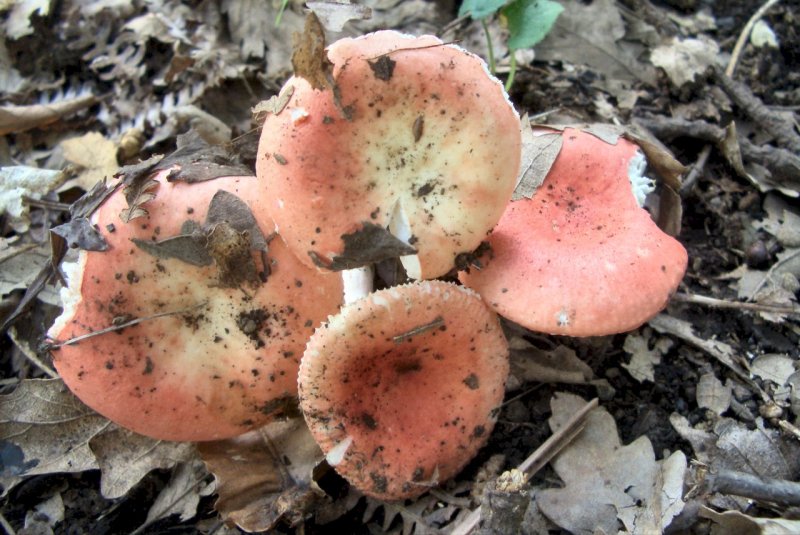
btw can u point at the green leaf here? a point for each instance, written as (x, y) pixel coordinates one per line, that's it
(529, 21)
(480, 9)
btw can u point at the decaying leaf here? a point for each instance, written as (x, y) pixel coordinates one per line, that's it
(370, 244)
(774, 367)
(731, 445)
(273, 105)
(264, 475)
(560, 365)
(735, 522)
(79, 233)
(685, 59)
(195, 160)
(94, 155)
(309, 59)
(606, 482)
(227, 237)
(643, 358)
(539, 151)
(18, 182)
(334, 15)
(182, 494)
(45, 429)
(712, 394)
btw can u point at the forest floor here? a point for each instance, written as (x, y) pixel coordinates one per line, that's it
(691, 404)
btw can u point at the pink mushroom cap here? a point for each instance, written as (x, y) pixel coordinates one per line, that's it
(429, 151)
(400, 389)
(580, 257)
(224, 363)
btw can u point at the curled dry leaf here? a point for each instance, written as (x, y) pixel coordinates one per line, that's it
(264, 475)
(712, 394)
(606, 482)
(45, 429)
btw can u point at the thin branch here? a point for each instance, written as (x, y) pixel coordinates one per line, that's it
(750, 486)
(30, 354)
(736, 305)
(121, 326)
(745, 35)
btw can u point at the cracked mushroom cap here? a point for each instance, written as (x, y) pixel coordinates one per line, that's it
(401, 387)
(416, 159)
(217, 349)
(580, 257)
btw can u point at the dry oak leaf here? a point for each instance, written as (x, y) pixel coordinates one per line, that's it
(45, 429)
(605, 481)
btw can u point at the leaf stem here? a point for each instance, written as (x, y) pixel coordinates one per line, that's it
(492, 64)
(512, 69)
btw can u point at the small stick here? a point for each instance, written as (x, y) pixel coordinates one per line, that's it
(757, 488)
(121, 326)
(437, 322)
(745, 35)
(737, 305)
(543, 455)
(30, 354)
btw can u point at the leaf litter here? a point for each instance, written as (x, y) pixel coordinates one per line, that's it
(736, 369)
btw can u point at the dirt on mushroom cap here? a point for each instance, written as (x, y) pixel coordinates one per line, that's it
(222, 359)
(405, 382)
(428, 148)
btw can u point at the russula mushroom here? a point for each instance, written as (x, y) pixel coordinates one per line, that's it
(212, 320)
(400, 388)
(412, 153)
(580, 257)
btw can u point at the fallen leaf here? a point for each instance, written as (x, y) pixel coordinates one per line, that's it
(712, 394)
(685, 59)
(264, 475)
(45, 429)
(773, 367)
(80, 233)
(731, 445)
(309, 59)
(643, 359)
(18, 24)
(559, 365)
(540, 148)
(334, 15)
(606, 482)
(182, 494)
(18, 182)
(94, 155)
(735, 522)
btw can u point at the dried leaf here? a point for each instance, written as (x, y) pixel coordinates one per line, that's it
(684, 59)
(18, 271)
(182, 494)
(370, 244)
(45, 429)
(138, 187)
(606, 482)
(539, 150)
(94, 155)
(643, 359)
(561, 365)
(264, 475)
(712, 394)
(736, 522)
(18, 182)
(334, 15)
(773, 367)
(731, 445)
(273, 105)
(195, 160)
(309, 59)
(80, 233)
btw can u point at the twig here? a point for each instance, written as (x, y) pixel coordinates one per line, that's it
(749, 486)
(745, 35)
(543, 455)
(697, 170)
(737, 305)
(121, 326)
(30, 354)
(43, 203)
(6, 526)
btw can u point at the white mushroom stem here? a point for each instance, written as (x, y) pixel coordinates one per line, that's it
(357, 283)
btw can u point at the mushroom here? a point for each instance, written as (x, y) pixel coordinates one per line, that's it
(580, 257)
(412, 153)
(188, 327)
(400, 388)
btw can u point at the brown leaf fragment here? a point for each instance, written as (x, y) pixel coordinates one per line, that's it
(383, 67)
(333, 15)
(138, 184)
(227, 207)
(370, 244)
(274, 105)
(539, 151)
(14, 119)
(79, 233)
(195, 160)
(309, 59)
(264, 476)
